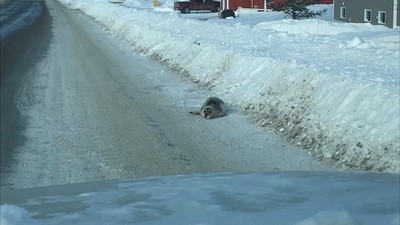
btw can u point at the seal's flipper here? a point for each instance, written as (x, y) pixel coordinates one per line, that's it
(195, 112)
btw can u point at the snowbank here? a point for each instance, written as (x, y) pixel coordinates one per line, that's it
(330, 87)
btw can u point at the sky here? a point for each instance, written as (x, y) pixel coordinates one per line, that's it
(328, 86)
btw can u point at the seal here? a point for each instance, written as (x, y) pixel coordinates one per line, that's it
(212, 108)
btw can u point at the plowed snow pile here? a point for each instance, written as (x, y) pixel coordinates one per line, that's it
(330, 87)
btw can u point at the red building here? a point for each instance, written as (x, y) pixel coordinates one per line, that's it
(258, 4)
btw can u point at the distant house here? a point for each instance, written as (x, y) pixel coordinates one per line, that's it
(384, 12)
(257, 4)
(248, 4)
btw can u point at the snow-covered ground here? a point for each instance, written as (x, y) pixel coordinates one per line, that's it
(331, 87)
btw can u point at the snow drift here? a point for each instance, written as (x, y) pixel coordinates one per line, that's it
(330, 87)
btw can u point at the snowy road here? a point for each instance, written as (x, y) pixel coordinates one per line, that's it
(24, 37)
(93, 110)
(18, 15)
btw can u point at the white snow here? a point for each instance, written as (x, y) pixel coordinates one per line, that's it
(328, 86)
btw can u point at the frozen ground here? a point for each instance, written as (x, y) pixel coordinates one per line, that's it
(330, 87)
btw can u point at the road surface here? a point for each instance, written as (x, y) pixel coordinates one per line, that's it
(81, 105)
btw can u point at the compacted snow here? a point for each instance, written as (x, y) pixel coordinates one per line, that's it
(330, 87)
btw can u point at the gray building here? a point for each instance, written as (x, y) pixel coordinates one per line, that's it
(383, 12)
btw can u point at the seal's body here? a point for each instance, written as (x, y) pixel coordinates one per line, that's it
(213, 107)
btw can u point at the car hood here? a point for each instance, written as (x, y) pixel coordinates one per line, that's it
(300, 198)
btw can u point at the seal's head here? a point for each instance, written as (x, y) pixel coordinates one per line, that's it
(208, 112)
